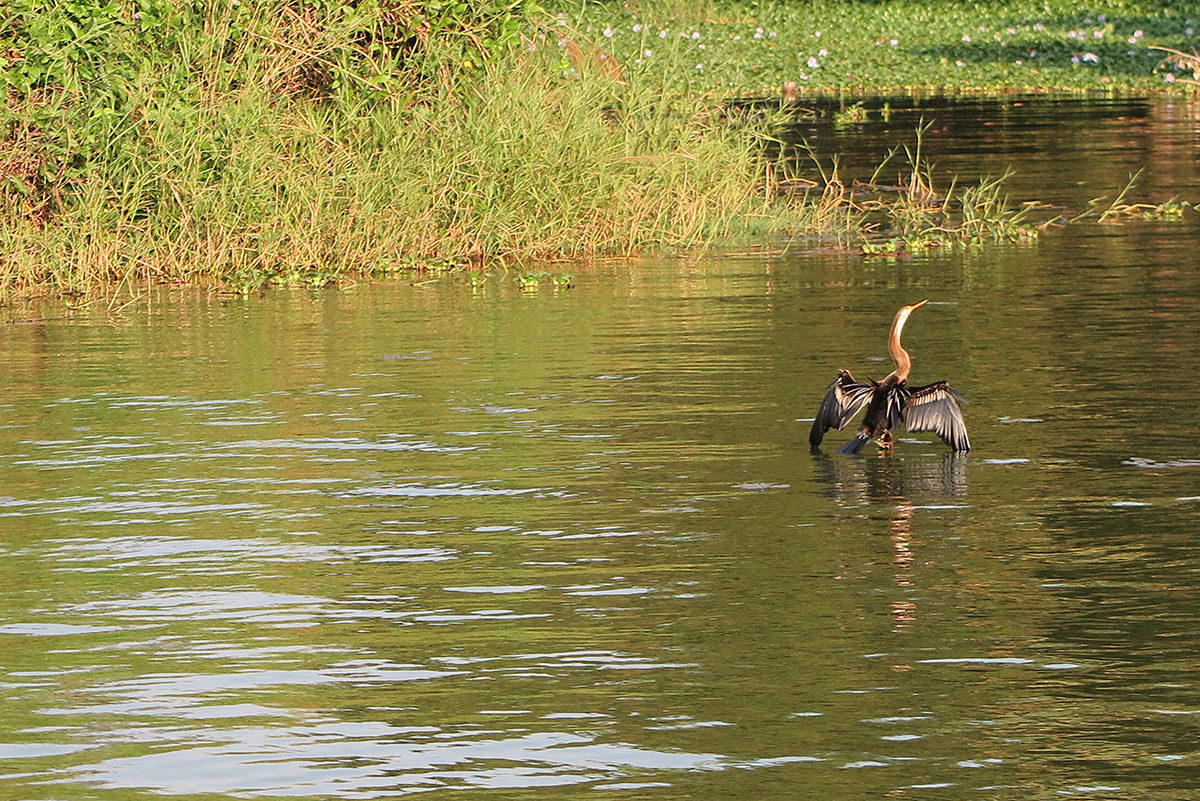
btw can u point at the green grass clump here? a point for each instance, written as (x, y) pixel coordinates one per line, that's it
(910, 216)
(266, 148)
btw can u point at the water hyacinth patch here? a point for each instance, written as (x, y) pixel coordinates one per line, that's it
(902, 45)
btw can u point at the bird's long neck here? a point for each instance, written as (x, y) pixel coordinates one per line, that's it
(897, 351)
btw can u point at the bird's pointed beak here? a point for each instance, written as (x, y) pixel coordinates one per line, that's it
(916, 306)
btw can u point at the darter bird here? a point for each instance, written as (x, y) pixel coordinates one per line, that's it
(933, 407)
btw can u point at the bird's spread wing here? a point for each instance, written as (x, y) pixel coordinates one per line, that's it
(844, 399)
(935, 408)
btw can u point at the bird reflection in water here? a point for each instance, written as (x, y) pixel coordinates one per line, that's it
(903, 610)
(903, 485)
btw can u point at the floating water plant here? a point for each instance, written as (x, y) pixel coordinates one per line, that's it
(851, 115)
(1118, 210)
(912, 215)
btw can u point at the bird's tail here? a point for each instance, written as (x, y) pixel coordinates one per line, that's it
(854, 445)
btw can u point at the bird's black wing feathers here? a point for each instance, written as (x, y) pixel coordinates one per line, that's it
(897, 399)
(935, 407)
(844, 399)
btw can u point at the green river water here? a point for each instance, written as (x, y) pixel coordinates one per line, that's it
(571, 544)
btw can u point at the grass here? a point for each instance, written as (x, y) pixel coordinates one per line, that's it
(522, 166)
(237, 181)
(265, 144)
(912, 215)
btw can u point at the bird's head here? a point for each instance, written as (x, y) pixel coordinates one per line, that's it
(902, 315)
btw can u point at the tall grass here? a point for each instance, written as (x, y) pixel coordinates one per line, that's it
(264, 142)
(231, 168)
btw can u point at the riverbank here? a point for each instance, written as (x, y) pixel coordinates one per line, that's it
(252, 144)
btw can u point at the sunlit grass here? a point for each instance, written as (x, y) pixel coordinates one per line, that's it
(602, 130)
(537, 158)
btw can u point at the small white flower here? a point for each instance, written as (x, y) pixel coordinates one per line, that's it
(1133, 40)
(702, 46)
(1039, 27)
(1169, 78)
(699, 66)
(894, 42)
(959, 63)
(1092, 57)
(803, 77)
(737, 37)
(647, 53)
(1019, 62)
(966, 37)
(817, 34)
(662, 34)
(822, 52)
(1074, 59)
(608, 33)
(1097, 34)
(637, 27)
(812, 63)
(758, 33)
(771, 34)
(983, 29)
(695, 34)
(1087, 20)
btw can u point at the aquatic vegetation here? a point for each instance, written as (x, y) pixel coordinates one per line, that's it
(851, 115)
(1117, 210)
(1168, 210)
(531, 281)
(910, 216)
(834, 47)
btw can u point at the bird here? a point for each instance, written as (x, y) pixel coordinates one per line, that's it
(934, 407)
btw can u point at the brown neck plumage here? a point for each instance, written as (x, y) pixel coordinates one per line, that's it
(897, 351)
